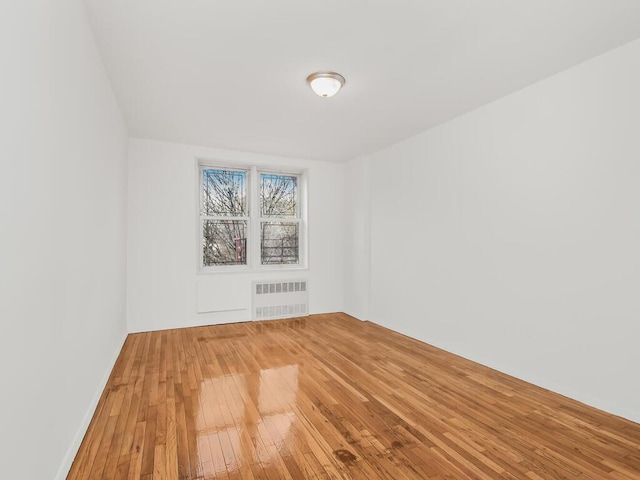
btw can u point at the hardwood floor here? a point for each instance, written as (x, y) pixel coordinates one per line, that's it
(333, 397)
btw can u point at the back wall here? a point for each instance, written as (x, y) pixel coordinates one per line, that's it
(162, 276)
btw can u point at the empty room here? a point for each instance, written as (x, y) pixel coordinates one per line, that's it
(320, 240)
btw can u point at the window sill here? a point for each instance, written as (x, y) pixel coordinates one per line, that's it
(249, 270)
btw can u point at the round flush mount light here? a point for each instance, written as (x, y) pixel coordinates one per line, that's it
(325, 84)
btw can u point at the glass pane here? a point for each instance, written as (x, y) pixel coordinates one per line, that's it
(224, 242)
(224, 193)
(278, 195)
(279, 243)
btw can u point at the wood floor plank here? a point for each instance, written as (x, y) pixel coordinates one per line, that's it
(330, 397)
(135, 461)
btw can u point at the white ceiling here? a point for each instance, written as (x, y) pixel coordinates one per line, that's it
(231, 73)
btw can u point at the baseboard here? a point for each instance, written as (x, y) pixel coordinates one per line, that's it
(67, 461)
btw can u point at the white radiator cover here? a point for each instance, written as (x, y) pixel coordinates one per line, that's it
(280, 299)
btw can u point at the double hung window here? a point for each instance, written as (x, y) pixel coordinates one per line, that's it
(250, 217)
(224, 215)
(279, 219)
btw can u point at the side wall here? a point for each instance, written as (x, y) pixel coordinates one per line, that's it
(62, 234)
(163, 283)
(510, 235)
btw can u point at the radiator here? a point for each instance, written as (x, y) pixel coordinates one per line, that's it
(280, 299)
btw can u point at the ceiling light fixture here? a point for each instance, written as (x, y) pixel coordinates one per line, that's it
(325, 84)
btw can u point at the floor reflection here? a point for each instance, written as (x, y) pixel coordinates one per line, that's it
(245, 419)
(277, 325)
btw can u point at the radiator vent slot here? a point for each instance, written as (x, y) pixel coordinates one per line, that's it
(280, 299)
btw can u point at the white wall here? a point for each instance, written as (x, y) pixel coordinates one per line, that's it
(62, 234)
(357, 280)
(511, 235)
(162, 276)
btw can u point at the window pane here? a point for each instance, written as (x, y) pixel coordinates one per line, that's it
(279, 243)
(224, 242)
(224, 193)
(278, 195)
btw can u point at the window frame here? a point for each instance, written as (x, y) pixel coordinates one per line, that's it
(202, 217)
(254, 219)
(297, 219)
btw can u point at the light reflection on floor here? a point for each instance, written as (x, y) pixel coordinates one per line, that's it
(244, 419)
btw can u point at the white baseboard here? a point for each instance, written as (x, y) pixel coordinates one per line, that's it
(67, 461)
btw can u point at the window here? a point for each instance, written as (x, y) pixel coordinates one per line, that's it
(225, 217)
(279, 219)
(250, 218)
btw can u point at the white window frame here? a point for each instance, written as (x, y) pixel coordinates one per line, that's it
(254, 254)
(297, 219)
(202, 218)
